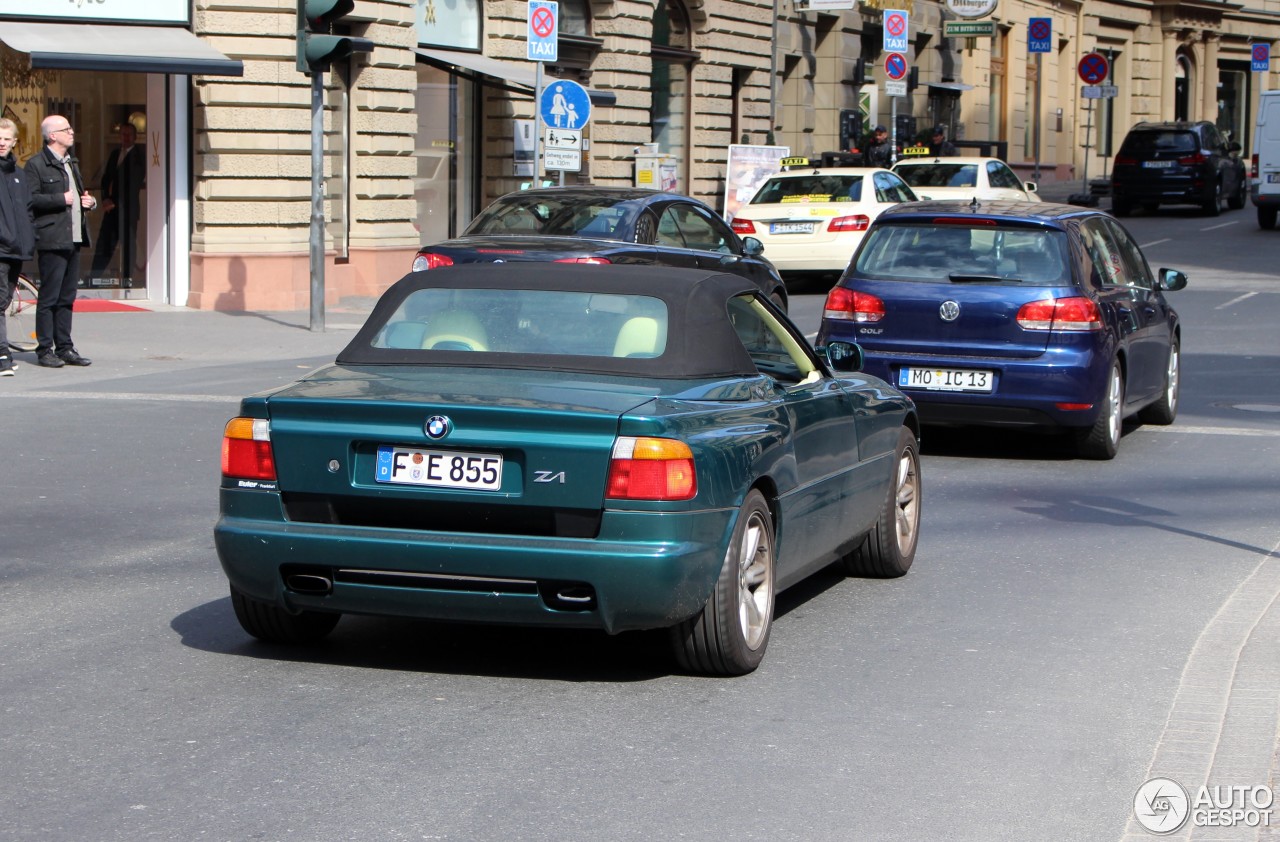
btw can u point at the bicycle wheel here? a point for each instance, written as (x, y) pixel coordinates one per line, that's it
(21, 318)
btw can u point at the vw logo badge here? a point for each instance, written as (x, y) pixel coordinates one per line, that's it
(949, 311)
(438, 426)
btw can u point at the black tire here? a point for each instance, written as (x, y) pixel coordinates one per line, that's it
(1213, 206)
(729, 635)
(272, 624)
(890, 547)
(1121, 208)
(1163, 411)
(1237, 199)
(1102, 440)
(1267, 218)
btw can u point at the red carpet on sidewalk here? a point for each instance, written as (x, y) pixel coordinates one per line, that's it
(104, 305)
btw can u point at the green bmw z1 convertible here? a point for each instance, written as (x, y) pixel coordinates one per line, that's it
(613, 447)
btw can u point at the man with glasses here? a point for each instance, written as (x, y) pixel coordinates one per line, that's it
(60, 205)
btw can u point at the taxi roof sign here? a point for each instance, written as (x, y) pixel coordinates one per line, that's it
(797, 161)
(915, 150)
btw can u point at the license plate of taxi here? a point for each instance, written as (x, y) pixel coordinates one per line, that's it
(791, 227)
(946, 379)
(439, 468)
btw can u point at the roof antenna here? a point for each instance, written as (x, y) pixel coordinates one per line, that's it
(973, 204)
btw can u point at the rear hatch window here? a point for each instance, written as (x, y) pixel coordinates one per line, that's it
(947, 253)
(810, 188)
(1159, 144)
(988, 272)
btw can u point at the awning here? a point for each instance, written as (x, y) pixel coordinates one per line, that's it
(949, 86)
(516, 76)
(137, 49)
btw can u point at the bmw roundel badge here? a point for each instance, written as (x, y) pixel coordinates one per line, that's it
(949, 311)
(438, 426)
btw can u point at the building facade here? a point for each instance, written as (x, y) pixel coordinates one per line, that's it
(439, 118)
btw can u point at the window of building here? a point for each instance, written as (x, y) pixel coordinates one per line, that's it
(673, 59)
(443, 187)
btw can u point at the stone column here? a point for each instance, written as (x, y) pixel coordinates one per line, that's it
(1209, 77)
(1168, 72)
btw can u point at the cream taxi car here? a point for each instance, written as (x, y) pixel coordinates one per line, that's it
(964, 178)
(811, 219)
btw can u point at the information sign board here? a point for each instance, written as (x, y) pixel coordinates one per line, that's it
(1040, 35)
(543, 38)
(896, 31)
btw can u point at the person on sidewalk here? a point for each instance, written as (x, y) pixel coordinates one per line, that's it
(17, 234)
(939, 146)
(122, 178)
(878, 153)
(59, 203)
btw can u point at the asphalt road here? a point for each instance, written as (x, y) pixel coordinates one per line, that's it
(1020, 683)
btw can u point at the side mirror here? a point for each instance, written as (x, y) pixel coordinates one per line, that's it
(751, 247)
(1172, 280)
(1032, 187)
(842, 356)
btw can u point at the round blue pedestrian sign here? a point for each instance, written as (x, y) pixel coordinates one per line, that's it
(565, 105)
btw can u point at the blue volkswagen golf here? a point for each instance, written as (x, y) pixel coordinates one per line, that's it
(1013, 313)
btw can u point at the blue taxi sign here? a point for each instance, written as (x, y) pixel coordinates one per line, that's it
(543, 36)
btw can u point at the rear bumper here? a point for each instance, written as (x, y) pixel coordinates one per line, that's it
(810, 257)
(1270, 199)
(1182, 191)
(644, 570)
(1026, 392)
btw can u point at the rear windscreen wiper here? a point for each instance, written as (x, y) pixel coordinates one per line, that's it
(960, 278)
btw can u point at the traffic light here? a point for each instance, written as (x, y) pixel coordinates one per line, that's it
(317, 49)
(859, 73)
(913, 78)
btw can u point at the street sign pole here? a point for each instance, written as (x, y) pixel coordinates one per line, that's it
(537, 127)
(1039, 117)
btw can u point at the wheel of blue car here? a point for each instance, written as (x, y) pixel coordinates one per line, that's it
(889, 548)
(271, 623)
(729, 635)
(1102, 440)
(1163, 411)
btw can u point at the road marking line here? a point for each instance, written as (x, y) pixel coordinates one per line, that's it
(1236, 300)
(1211, 431)
(1155, 243)
(128, 396)
(1216, 227)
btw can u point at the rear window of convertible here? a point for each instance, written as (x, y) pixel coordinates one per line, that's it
(527, 322)
(939, 252)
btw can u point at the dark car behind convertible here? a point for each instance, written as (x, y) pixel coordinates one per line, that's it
(617, 447)
(604, 225)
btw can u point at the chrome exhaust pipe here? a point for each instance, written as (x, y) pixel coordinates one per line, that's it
(309, 583)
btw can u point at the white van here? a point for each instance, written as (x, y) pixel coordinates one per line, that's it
(1266, 160)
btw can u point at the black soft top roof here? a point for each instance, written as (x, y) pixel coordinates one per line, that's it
(701, 341)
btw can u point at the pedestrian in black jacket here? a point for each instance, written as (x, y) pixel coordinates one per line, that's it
(17, 235)
(879, 152)
(59, 203)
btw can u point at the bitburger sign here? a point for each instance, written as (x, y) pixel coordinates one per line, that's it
(972, 9)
